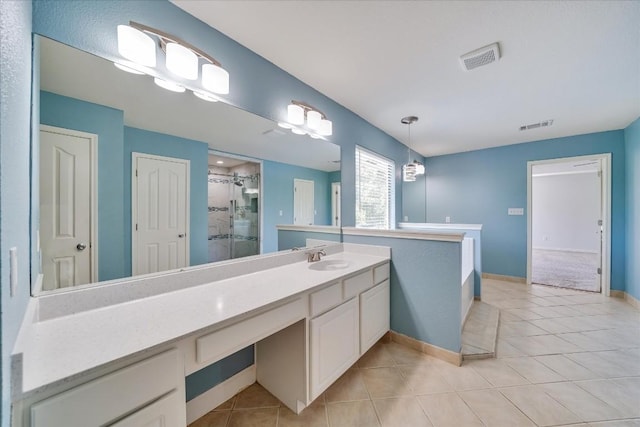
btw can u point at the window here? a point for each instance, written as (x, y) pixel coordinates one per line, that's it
(374, 190)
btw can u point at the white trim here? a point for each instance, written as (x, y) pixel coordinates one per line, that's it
(537, 175)
(403, 234)
(329, 229)
(605, 280)
(93, 204)
(214, 397)
(438, 226)
(134, 211)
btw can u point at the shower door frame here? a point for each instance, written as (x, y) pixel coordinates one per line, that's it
(260, 186)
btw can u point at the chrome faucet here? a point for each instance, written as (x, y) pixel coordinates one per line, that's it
(314, 256)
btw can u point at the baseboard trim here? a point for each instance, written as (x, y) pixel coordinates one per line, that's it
(426, 348)
(211, 399)
(514, 279)
(477, 298)
(627, 297)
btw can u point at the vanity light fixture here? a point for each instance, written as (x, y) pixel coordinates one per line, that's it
(135, 43)
(205, 96)
(413, 168)
(300, 114)
(165, 84)
(128, 69)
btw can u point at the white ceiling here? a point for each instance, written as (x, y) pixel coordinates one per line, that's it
(576, 62)
(71, 72)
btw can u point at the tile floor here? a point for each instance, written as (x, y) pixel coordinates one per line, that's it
(563, 358)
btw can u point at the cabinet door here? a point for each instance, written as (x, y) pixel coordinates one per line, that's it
(374, 315)
(334, 345)
(161, 413)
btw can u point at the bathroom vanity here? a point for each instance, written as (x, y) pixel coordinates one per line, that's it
(117, 354)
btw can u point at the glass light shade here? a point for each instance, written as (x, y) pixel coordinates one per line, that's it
(284, 125)
(409, 172)
(326, 127)
(136, 46)
(298, 131)
(419, 167)
(215, 79)
(182, 61)
(127, 69)
(315, 136)
(205, 96)
(295, 114)
(173, 87)
(313, 120)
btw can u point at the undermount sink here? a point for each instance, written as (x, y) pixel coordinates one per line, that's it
(329, 265)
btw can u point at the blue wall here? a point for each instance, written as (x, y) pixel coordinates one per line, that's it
(278, 196)
(479, 186)
(425, 288)
(15, 114)
(632, 156)
(143, 141)
(414, 203)
(113, 217)
(289, 239)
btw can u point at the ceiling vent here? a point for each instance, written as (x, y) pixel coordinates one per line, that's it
(479, 57)
(543, 124)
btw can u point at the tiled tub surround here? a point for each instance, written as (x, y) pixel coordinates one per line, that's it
(72, 336)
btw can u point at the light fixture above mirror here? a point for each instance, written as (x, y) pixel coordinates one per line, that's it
(413, 168)
(136, 43)
(303, 119)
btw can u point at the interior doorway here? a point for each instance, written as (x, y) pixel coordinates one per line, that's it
(568, 237)
(233, 207)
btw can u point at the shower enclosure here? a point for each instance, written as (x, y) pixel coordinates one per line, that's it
(233, 219)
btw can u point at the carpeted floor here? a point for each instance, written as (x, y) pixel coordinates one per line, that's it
(573, 270)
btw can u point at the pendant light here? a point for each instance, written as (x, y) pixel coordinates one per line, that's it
(414, 168)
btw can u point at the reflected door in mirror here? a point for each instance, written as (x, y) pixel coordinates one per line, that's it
(160, 200)
(65, 206)
(303, 202)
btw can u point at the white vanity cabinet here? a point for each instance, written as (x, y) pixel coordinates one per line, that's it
(146, 393)
(335, 345)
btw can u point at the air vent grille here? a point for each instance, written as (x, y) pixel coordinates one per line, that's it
(479, 57)
(542, 124)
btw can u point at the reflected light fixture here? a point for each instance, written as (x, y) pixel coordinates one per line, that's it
(165, 84)
(303, 119)
(137, 43)
(413, 168)
(205, 96)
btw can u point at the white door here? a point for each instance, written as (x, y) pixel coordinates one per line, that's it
(335, 204)
(303, 203)
(67, 188)
(160, 201)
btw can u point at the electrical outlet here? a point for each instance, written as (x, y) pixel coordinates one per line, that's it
(447, 219)
(280, 213)
(406, 218)
(515, 211)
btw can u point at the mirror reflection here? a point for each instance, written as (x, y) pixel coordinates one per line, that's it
(134, 179)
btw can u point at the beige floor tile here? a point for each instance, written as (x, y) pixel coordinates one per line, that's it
(376, 357)
(506, 316)
(539, 406)
(583, 404)
(212, 419)
(352, 414)
(405, 355)
(586, 343)
(566, 367)
(255, 396)
(622, 394)
(618, 423)
(313, 416)
(627, 363)
(542, 344)
(504, 349)
(227, 405)
(532, 370)
(425, 379)
(593, 362)
(523, 313)
(448, 410)
(498, 373)
(350, 386)
(462, 377)
(551, 326)
(494, 409)
(385, 382)
(521, 328)
(401, 412)
(262, 417)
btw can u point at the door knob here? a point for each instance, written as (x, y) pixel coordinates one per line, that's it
(81, 246)
(181, 235)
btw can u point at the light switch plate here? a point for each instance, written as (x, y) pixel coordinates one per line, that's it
(515, 211)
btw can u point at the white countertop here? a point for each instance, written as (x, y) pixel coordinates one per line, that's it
(63, 347)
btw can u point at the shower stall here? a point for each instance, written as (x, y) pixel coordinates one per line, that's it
(234, 217)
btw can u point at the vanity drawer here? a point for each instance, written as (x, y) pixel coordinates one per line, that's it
(357, 284)
(324, 299)
(108, 398)
(381, 273)
(223, 342)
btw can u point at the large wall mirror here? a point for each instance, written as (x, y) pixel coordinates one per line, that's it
(118, 161)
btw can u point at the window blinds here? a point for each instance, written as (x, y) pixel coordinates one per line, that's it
(374, 190)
